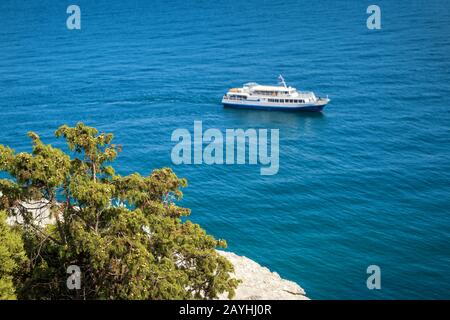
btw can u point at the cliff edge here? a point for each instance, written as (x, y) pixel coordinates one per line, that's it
(259, 283)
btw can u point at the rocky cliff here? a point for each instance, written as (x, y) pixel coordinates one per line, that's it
(259, 283)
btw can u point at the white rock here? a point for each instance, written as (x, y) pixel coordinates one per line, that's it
(259, 283)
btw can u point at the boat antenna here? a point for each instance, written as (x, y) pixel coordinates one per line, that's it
(282, 82)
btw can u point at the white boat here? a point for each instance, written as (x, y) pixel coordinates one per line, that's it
(281, 97)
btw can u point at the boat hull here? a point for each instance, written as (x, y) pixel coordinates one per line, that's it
(308, 108)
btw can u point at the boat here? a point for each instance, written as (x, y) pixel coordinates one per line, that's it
(281, 97)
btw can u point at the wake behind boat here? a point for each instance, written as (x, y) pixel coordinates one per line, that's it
(281, 97)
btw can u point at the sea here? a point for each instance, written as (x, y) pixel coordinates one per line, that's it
(364, 183)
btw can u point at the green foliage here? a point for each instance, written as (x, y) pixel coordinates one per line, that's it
(12, 258)
(124, 232)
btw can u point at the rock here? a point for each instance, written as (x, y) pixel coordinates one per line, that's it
(259, 283)
(38, 209)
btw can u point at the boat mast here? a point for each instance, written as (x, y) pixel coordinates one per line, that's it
(282, 82)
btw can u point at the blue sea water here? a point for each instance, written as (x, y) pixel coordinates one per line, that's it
(365, 183)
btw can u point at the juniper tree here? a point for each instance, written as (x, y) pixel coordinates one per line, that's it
(12, 258)
(125, 233)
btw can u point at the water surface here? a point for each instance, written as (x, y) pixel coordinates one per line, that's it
(366, 182)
